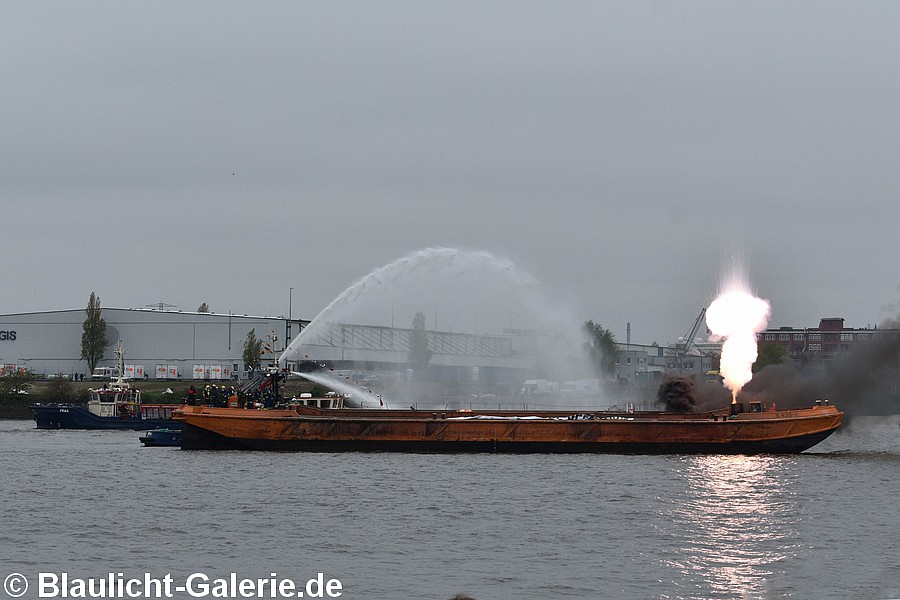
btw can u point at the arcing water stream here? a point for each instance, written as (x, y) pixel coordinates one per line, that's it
(468, 291)
(450, 280)
(453, 282)
(355, 395)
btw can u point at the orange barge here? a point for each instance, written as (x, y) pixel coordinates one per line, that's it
(335, 430)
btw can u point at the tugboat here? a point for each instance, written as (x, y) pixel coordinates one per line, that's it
(115, 405)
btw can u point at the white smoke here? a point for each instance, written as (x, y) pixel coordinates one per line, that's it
(736, 316)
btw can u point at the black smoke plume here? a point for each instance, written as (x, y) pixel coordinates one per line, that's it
(677, 394)
(864, 382)
(681, 394)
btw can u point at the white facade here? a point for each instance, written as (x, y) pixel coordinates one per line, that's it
(163, 344)
(49, 343)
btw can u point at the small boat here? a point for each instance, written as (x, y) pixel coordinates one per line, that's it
(306, 428)
(162, 437)
(114, 405)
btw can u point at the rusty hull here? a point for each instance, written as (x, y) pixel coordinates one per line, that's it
(783, 431)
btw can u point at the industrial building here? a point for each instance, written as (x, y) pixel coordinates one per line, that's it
(163, 344)
(170, 344)
(648, 364)
(158, 344)
(830, 339)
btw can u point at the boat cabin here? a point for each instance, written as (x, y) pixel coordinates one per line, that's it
(329, 401)
(116, 398)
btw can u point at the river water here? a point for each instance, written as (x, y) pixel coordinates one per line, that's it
(824, 524)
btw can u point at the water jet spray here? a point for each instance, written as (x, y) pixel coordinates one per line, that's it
(355, 395)
(479, 268)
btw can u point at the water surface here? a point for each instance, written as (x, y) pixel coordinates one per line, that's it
(818, 525)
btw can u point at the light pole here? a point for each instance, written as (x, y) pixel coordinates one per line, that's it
(287, 340)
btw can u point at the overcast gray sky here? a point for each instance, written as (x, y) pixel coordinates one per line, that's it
(225, 152)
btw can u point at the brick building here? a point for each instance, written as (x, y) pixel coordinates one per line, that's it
(830, 338)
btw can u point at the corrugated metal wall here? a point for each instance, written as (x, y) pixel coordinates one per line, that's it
(50, 342)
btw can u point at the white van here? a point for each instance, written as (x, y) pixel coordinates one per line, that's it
(103, 373)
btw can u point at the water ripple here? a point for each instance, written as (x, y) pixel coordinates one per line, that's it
(430, 526)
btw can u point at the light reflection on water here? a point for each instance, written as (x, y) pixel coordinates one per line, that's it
(733, 525)
(817, 526)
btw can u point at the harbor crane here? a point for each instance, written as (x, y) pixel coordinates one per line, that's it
(683, 347)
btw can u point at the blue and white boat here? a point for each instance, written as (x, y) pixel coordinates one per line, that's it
(115, 405)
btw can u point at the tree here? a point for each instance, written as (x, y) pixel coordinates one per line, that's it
(204, 308)
(93, 340)
(419, 353)
(769, 354)
(601, 347)
(15, 382)
(252, 350)
(60, 389)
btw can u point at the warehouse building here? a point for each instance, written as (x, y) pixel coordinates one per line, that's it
(158, 344)
(166, 344)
